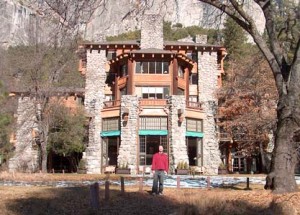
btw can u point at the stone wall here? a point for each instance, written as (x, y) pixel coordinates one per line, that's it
(178, 149)
(94, 98)
(208, 74)
(129, 132)
(25, 158)
(152, 32)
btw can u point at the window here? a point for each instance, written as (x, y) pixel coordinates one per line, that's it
(180, 91)
(181, 72)
(111, 124)
(193, 98)
(153, 92)
(192, 55)
(194, 79)
(194, 125)
(153, 123)
(123, 70)
(153, 67)
(111, 54)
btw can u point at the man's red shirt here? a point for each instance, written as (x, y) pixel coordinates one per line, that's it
(160, 162)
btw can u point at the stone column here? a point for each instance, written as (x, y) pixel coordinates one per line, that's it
(94, 98)
(129, 132)
(208, 77)
(178, 149)
(152, 32)
(26, 151)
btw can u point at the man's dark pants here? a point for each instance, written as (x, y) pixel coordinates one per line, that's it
(158, 177)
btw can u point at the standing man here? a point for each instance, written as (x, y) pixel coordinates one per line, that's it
(160, 167)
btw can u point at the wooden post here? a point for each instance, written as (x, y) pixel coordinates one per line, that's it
(178, 182)
(52, 171)
(248, 184)
(141, 184)
(107, 190)
(122, 185)
(63, 171)
(208, 182)
(94, 196)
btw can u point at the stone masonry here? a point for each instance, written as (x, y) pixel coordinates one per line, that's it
(208, 73)
(129, 132)
(178, 149)
(152, 32)
(25, 158)
(94, 98)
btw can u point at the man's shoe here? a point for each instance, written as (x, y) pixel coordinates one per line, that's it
(160, 194)
(153, 194)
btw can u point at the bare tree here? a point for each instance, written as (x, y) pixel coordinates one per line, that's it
(280, 46)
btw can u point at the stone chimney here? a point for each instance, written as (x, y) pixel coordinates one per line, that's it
(152, 32)
(201, 39)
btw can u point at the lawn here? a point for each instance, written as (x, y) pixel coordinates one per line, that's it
(76, 200)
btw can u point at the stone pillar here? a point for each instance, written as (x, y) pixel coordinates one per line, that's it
(152, 32)
(208, 77)
(26, 151)
(178, 149)
(129, 132)
(94, 98)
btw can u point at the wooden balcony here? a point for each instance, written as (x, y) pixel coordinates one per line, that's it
(110, 104)
(153, 102)
(122, 82)
(193, 105)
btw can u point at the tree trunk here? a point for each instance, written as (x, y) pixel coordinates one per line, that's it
(44, 157)
(282, 178)
(263, 158)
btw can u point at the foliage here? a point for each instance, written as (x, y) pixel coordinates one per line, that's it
(182, 165)
(171, 33)
(67, 131)
(234, 39)
(5, 130)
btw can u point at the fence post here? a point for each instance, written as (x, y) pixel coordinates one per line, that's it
(208, 182)
(94, 195)
(122, 185)
(141, 184)
(178, 182)
(107, 190)
(248, 184)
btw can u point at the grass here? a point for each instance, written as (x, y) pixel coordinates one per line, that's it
(76, 200)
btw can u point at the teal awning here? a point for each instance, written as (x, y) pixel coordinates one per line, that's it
(153, 132)
(110, 133)
(194, 134)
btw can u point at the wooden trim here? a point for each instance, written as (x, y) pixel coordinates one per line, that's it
(175, 75)
(130, 77)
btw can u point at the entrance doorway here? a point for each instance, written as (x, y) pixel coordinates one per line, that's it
(110, 151)
(149, 146)
(194, 149)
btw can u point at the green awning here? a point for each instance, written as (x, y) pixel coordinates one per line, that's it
(194, 134)
(110, 133)
(153, 132)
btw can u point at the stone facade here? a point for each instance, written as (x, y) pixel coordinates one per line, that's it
(26, 151)
(178, 149)
(129, 132)
(152, 32)
(94, 98)
(208, 73)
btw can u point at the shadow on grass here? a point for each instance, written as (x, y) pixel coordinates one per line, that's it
(77, 201)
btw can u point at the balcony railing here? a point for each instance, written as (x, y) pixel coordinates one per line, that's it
(195, 105)
(109, 104)
(153, 102)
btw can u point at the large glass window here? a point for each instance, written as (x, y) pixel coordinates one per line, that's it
(154, 123)
(152, 67)
(194, 125)
(111, 124)
(153, 92)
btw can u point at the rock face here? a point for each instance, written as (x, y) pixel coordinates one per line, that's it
(18, 23)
